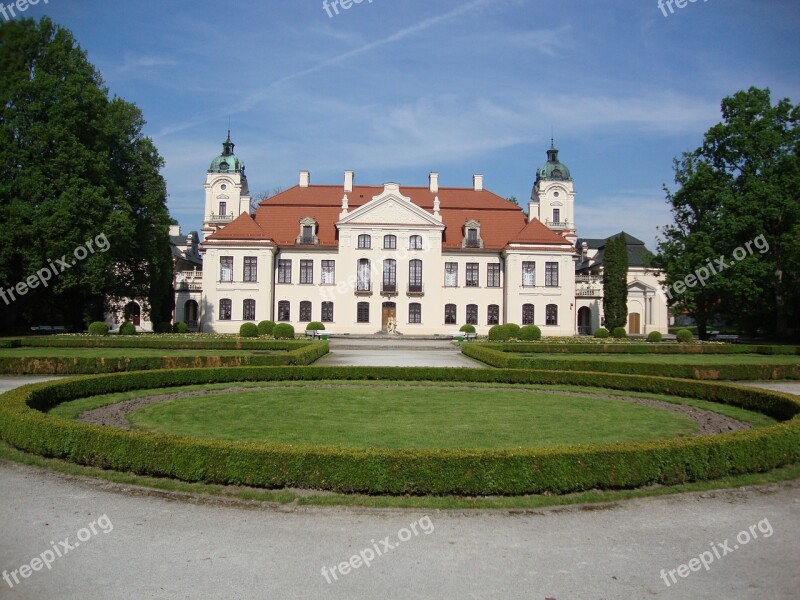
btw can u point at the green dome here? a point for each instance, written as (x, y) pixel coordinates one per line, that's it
(553, 169)
(227, 161)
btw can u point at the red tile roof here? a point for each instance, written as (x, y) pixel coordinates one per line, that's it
(278, 218)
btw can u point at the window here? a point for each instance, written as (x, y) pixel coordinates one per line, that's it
(225, 309)
(306, 272)
(284, 312)
(415, 242)
(472, 314)
(307, 235)
(363, 312)
(528, 274)
(389, 275)
(327, 312)
(450, 317)
(472, 238)
(223, 209)
(363, 275)
(493, 315)
(556, 215)
(415, 276)
(415, 312)
(249, 310)
(450, 274)
(472, 275)
(364, 241)
(250, 268)
(305, 311)
(328, 272)
(551, 315)
(527, 314)
(493, 275)
(284, 270)
(226, 268)
(389, 242)
(551, 274)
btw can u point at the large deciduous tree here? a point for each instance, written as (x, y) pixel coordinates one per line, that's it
(742, 183)
(615, 282)
(74, 165)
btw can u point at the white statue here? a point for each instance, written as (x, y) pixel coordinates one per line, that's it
(391, 326)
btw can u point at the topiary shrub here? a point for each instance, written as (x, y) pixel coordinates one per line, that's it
(530, 333)
(684, 336)
(127, 328)
(619, 333)
(499, 333)
(601, 332)
(248, 330)
(654, 336)
(180, 327)
(98, 328)
(266, 327)
(467, 328)
(315, 326)
(283, 331)
(513, 330)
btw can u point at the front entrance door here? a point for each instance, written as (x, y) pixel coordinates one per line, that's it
(133, 313)
(634, 323)
(389, 311)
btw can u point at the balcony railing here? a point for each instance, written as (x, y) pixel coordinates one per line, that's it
(588, 292)
(212, 218)
(389, 289)
(584, 330)
(558, 224)
(189, 280)
(363, 288)
(415, 290)
(588, 279)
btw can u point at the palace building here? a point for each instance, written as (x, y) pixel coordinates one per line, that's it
(432, 258)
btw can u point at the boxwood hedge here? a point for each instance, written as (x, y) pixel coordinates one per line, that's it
(165, 343)
(642, 348)
(412, 471)
(504, 360)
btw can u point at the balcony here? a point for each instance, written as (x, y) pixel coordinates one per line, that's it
(212, 218)
(389, 289)
(559, 224)
(415, 290)
(363, 288)
(189, 280)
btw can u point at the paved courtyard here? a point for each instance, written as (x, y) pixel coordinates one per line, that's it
(121, 542)
(396, 352)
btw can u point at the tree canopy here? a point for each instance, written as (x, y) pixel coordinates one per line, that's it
(74, 165)
(615, 282)
(737, 215)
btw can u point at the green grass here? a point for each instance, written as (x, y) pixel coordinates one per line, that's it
(675, 359)
(399, 417)
(115, 353)
(193, 490)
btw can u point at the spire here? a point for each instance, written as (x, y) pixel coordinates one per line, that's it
(227, 145)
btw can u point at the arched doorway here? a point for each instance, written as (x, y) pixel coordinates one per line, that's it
(389, 310)
(190, 311)
(584, 320)
(133, 313)
(634, 323)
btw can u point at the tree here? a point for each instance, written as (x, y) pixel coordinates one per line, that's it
(513, 200)
(615, 282)
(741, 185)
(261, 196)
(75, 166)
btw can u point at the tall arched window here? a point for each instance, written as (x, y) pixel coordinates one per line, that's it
(327, 312)
(249, 310)
(415, 276)
(390, 275)
(450, 316)
(472, 314)
(527, 314)
(305, 311)
(415, 312)
(225, 309)
(493, 315)
(364, 279)
(284, 312)
(551, 314)
(362, 315)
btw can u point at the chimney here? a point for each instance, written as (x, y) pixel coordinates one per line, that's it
(348, 181)
(433, 182)
(305, 179)
(477, 183)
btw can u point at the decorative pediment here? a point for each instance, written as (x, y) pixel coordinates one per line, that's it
(390, 207)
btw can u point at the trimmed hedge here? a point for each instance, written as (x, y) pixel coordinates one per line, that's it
(601, 332)
(684, 336)
(248, 330)
(303, 354)
(266, 327)
(409, 471)
(654, 337)
(127, 328)
(612, 347)
(619, 333)
(98, 328)
(530, 333)
(283, 331)
(10, 343)
(180, 327)
(156, 343)
(467, 328)
(315, 326)
(503, 360)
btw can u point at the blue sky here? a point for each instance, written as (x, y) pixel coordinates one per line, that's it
(394, 89)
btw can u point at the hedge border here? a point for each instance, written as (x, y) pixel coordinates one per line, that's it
(379, 471)
(497, 358)
(642, 348)
(199, 343)
(301, 354)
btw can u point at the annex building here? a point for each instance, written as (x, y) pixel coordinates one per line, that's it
(432, 258)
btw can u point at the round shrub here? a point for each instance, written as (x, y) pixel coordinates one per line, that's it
(601, 332)
(127, 328)
(530, 333)
(98, 328)
(315, 326)
(654, 336)
(499, 333)
(266, 327)
(619, 333)
(513, 330)
(283, 331)
(180, 327)
(248, 330)
(467, 328)
(684, 336)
